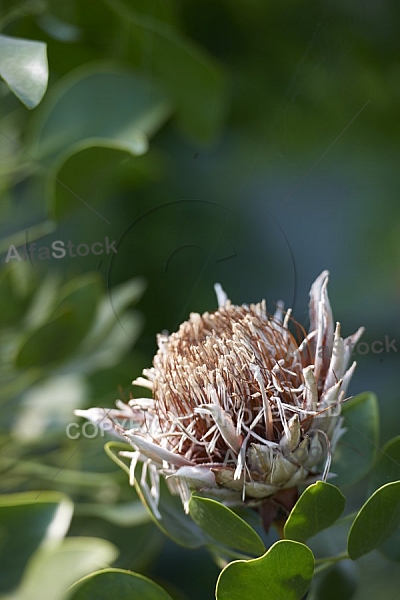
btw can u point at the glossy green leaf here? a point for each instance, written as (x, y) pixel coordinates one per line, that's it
(201, 100)
(356, 450)
(387, 469)
(376, 521)
(339, 581)
(51, 572)
(74, 111)
(116, 583)
(23, 66)
(283, 573)
(224, 526)
(317, 508)
(27, 521)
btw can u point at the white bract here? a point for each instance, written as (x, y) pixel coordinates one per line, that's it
(242, 407)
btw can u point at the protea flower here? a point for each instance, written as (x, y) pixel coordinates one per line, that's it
(241, 408)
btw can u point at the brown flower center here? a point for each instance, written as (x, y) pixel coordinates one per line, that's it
(232, 358)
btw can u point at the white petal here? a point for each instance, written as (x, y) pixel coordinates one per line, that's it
(315, 297)
(222, 298)
(336, 365)
(155, 452)
(349, 344)
(347, 377)
(197, 477)
(310, 389)
(142, 382)
(224, 423)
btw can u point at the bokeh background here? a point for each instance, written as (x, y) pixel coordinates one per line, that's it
(250, 143)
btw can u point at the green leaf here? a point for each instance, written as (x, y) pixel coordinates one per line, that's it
(27, 521)
(117, 583)
(74, 111)
(376, 521)
(92, 169)
(224, 526)
(339, 581)
(283, 573)
(386, 469)
(356, 450)
(12, 303)
(49, 343)
(23, 66)
(70, 321)
(81, 295)
(193, 79)
(111, 309)
(51, 572)
(317, 508)
(174, 523)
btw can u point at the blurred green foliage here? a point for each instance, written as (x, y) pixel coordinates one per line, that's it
(249, 143)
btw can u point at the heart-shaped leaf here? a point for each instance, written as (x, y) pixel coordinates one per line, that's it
(23, 66)
(356, 450)
(317, 508)
(376, 521)
(117, 583)
(283, 573)
(224, 526)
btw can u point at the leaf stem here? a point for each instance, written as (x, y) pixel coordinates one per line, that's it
(326, 562)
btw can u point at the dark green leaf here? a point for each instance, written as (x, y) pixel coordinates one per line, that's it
(376, 521)
(317, 508)
(23, 66)
(283, 573)
(224, 526)
(28, 521)
(116, 583)
(356, 450)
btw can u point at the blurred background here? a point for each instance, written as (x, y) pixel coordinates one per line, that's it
(250, 143)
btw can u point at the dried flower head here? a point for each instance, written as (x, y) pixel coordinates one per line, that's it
(241, 408)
